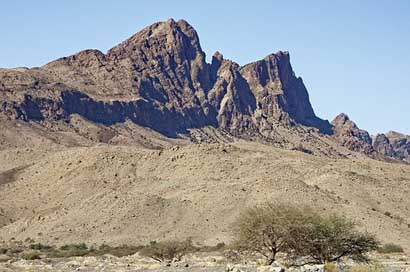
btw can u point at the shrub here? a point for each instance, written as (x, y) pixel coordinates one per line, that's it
(71, 250)
(119, 251)
(390, 248)
(265, 229)
(31, 255)
(168, 250)
(3, 250)
(81, 246)
(40, 247)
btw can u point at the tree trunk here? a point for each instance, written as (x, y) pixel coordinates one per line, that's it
(270, 261)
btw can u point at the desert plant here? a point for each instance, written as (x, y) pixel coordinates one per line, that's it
(118, 251)
(81, 246)
(390, 248)
(31, 255)
(265, 229)
(329, 239)
(71, 250)
(3, 250)
(39, 246)
(167, 250)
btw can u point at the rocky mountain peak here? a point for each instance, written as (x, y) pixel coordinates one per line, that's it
(176, 38)
(343, 120)
(350, 135)
(393, 144)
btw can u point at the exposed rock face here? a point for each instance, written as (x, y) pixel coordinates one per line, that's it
(279, 93)
(159, 79)
(349, 135)
(393, 144)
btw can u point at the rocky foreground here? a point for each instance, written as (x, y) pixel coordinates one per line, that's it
(207, 262)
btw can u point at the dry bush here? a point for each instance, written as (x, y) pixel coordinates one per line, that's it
(40, 247)
(390, 248)
(118, 251)
(168, 251)
(31, 255)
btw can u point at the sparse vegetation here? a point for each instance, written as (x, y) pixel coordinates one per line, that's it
(71, 250)
(39, 246)
(168, 251)
(390, 248)
(31, 255)
(118, 251)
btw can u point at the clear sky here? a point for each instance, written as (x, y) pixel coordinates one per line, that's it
(353, 55)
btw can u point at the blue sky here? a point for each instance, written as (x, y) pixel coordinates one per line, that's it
(353, 55)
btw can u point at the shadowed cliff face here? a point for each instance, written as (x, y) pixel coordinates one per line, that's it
(158, 78)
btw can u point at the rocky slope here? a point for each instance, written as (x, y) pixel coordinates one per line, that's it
(133, 195)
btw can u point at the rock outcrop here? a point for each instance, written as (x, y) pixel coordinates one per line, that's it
(390, 145)
(350, 136)
(393, 144)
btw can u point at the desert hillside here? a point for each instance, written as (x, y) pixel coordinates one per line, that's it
(124, 194)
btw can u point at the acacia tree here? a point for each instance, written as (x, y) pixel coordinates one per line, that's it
(305, 236)
(328, 239)
(265, 229)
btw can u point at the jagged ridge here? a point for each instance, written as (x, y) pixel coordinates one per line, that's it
(159, 78)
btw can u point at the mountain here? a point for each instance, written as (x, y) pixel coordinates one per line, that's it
(159, 80)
